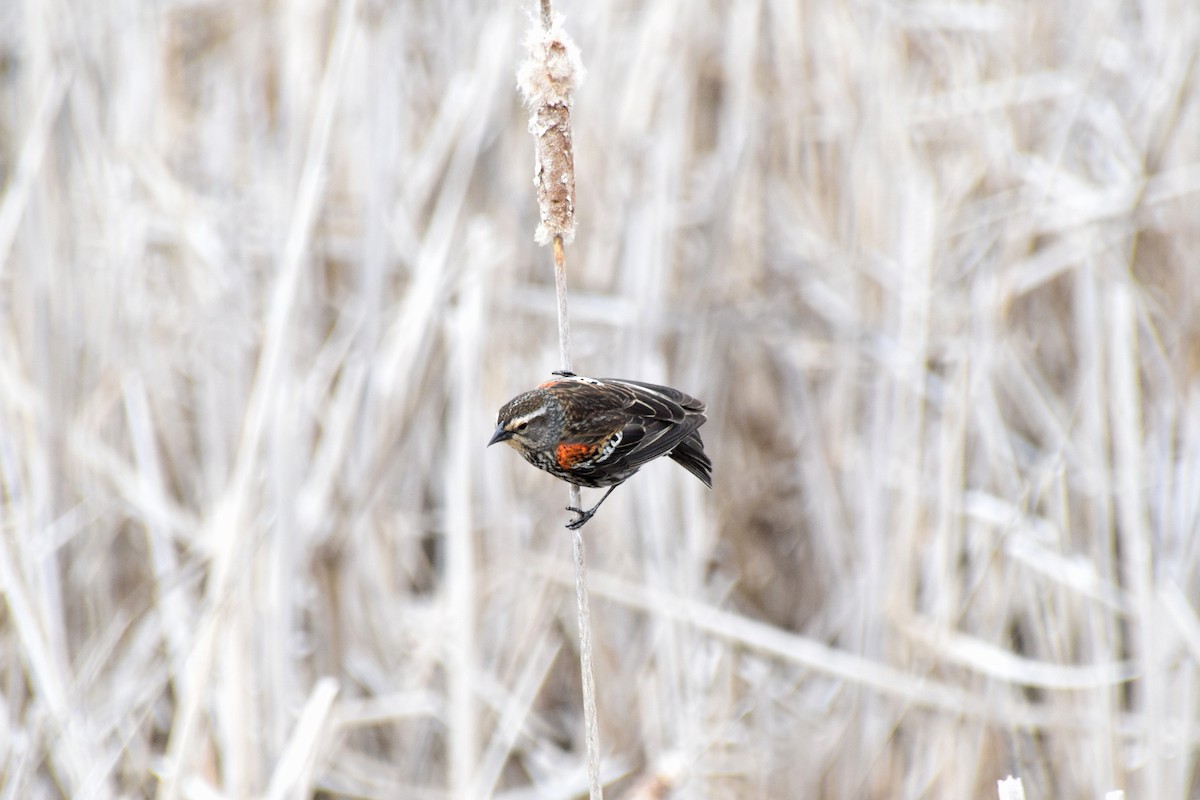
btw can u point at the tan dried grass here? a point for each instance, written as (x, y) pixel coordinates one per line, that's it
(266, 272)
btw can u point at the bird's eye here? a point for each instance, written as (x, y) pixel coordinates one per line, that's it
(523, 426)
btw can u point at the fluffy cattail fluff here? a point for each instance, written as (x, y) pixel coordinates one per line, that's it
(547, 80)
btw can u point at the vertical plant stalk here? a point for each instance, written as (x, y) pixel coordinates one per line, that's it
(583, 607)
(548, 79)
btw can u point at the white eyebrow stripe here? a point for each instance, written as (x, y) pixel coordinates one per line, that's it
(532, 415)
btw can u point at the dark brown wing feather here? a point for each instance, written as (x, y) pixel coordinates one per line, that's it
(653, 421)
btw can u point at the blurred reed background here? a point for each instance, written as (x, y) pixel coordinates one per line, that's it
(267, 272)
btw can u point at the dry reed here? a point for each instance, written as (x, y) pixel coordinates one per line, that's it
(266, 273)
(548, 80)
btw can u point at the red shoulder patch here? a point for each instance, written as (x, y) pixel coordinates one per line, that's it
(571, 454)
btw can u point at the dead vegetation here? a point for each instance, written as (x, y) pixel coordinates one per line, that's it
(267, 271)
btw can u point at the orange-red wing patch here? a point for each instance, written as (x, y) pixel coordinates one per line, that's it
(571, 454)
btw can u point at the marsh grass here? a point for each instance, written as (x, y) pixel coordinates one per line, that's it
(266, 273)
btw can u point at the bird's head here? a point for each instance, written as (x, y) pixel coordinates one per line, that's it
(531, 421)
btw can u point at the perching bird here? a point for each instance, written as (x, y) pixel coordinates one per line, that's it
(597, 432)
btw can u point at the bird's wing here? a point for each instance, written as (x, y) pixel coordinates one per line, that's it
(652, 420)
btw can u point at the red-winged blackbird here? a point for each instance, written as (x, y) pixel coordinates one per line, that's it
(597, 432)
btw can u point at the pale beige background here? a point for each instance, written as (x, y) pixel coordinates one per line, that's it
(267, 272)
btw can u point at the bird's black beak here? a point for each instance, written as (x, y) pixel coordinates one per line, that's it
(500, 435)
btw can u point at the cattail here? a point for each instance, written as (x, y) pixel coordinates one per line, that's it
(547, 80)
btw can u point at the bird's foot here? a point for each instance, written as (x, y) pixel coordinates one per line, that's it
(581, 517)
(584, 516)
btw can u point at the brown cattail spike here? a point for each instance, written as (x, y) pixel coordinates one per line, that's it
(547, 80)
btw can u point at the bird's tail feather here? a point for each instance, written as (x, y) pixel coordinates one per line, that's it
(690, 455)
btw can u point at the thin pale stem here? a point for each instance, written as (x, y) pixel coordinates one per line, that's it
(564, 322)
(591, 726)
